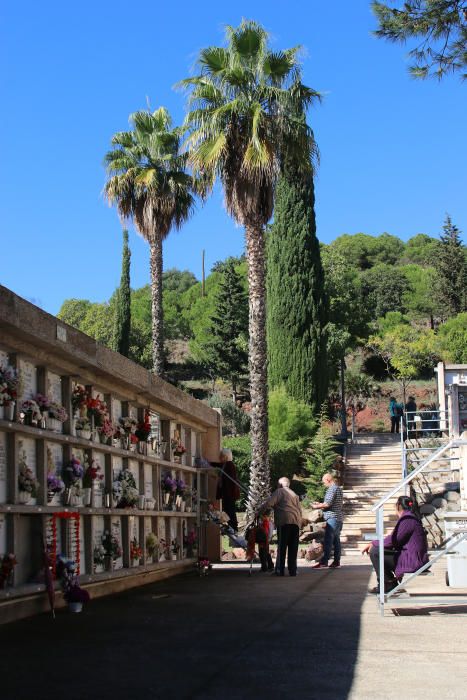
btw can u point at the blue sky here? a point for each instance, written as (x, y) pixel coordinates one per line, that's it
(392, 150)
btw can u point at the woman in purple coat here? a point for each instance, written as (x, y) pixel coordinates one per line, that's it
(405, 549)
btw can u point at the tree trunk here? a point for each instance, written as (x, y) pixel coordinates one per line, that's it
(257, 362)
(155, 264)
(343, 407)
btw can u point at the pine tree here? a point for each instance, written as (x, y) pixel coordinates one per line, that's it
(452, 271)
(227, 349)
(297, 303)
(122, 319)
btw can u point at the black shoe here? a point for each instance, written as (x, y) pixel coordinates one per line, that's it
(335, 565)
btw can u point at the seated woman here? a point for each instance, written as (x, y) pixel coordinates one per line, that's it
(405, 549)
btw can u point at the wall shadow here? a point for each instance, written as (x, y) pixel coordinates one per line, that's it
(223, 636)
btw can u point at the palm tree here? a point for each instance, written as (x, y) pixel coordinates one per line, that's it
(149, 184)
(246, 110)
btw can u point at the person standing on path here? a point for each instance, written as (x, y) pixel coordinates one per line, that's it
(395, 413)
(288, 520)
(228, 489)
(333, 515)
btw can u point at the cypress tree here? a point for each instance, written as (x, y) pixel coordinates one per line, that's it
(451, 266)
(122, 320)
(227, 350)
(297, 303)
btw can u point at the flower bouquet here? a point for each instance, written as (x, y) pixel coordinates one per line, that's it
(97, 412)
(124, 490)
(190, 541)
(56, 417)
(79, 398)
(165, 550)
(30, 412)
(112, 548)
(9, 380)
(74, 595)
(83, 428)
(106, 430)
(180, 489)
(133, 442)
(55, 485)
(169, 488)
(127, 426)
(43, 402)
(152, 546)
(98, 557)
(143, 432)
(28, 485)
(72, 474)
(178, 449)
(136, 552)
(92, 476)
(203, 566)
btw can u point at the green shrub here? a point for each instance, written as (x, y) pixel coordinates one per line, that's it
(234, 420)
(285, 458)
(289, 420)
(321, 458)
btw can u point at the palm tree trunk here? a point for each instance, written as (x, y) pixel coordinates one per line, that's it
(343, 406)
(259, 469)
(155, 265)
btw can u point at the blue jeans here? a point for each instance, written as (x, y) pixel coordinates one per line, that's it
(332, 539)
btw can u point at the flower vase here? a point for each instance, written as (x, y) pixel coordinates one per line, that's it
(133, 447)
(9, 411)
(24, 497)
(177, 459)
(178, 502)
(183, 506)
(103, 438)
(2, 412)
(75, 607)
(117, 442)
(27, 420)
(108, 563)
(84, 434)
(126, 442)
(76, 500)
(167, 499)
(87, 496)
(141, 501)
(53, 424)
(142, 447)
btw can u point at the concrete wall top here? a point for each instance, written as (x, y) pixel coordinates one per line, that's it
(28, 329)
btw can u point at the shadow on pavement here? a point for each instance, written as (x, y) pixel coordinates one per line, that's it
(225, 636)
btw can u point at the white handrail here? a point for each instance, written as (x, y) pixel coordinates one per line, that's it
(412, 475)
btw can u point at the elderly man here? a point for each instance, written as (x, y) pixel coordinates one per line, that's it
(288, 520)
(333, 515)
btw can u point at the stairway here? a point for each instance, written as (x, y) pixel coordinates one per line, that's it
(373, 468)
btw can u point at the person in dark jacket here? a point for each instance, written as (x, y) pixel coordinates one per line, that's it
(228, 488)
(405, 549)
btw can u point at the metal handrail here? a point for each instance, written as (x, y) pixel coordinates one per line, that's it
(238, 483)
(379, 508)
(412, 475)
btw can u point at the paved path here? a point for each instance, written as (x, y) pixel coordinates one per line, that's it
(229, 637)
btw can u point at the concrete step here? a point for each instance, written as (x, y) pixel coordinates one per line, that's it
(366, 518)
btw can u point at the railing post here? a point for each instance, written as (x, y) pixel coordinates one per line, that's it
(380, 534)
(403, 452)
